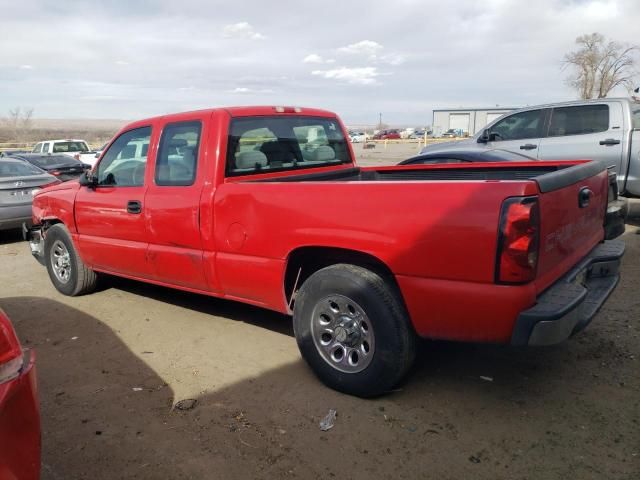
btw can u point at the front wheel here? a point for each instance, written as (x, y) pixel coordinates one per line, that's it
(67, 271)
(352, 329)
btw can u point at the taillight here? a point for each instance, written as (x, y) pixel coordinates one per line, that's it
(55, 172)
(518, 240)
(77, 156)
(10, 351)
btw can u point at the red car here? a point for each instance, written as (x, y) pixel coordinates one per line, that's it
(265, 205)
(19, 412)
(387, 135)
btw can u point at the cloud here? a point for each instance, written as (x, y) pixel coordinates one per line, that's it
(393, 59)
(364, 47)
(121, 62)
(354, 76)
(246, 90)
(314, 58)
(241, 30)
(26, 67)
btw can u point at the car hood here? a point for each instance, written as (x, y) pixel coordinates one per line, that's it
(444, 146)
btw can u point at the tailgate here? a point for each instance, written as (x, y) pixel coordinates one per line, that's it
(573, 203)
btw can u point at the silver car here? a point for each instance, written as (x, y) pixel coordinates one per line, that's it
(19, 180)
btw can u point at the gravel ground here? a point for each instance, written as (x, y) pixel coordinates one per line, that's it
(112, 366)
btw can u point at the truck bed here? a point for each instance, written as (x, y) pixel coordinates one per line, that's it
(548, 175)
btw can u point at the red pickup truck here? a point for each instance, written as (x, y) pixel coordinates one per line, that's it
(265, 205)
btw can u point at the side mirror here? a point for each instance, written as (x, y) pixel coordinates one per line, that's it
(97, 155)
(484, 138)
(88, 180)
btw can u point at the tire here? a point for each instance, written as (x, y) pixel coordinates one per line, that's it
(67, 271)
(342, 309)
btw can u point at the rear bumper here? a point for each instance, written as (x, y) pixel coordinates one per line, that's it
(615, 218)
(14, 216)
(20, 425)
(570, 304)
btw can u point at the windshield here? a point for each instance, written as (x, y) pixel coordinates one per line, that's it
(267, 144)
(64, 147)
(18, 169)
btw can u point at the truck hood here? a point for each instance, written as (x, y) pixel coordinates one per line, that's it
(69, 185)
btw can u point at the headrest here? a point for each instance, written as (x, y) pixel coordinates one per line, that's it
(251, 159)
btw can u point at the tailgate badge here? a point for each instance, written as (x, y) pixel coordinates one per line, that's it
(19, 183)
(584, 196)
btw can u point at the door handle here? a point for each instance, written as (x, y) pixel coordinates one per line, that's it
(134, 206)
(610, 141)
(528, 146)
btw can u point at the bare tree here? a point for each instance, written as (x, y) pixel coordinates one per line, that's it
(600, 65)
(19, 122)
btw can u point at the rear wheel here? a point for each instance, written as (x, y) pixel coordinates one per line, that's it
(67, 271)
(352, 328)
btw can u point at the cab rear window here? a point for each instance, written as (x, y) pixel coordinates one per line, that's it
(272, 143)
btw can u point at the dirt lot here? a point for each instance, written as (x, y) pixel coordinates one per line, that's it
(111, 365)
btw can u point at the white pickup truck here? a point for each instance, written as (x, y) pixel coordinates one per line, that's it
(75, 148)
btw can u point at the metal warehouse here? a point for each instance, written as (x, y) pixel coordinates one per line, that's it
(465, 121)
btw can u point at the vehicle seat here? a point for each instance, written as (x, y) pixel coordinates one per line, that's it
(323, 153)
(251, 159)
(282, 151)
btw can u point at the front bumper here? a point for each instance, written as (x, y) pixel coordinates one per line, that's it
(570, 304)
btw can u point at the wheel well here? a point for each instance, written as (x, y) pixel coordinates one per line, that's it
(305, 261)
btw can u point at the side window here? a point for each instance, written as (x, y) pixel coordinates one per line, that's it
(45, 148)
(124, 163)
(635, 118)
(177, 158)
(579, 120)
(37, 148)
(519, 126)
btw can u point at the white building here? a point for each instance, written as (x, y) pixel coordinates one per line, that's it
(467, 121)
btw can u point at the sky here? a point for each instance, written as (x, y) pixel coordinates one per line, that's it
(138, 58)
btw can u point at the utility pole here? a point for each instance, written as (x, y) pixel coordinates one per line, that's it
(380, 121)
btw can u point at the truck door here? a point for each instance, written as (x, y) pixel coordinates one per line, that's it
(520, 132)
(594, 131)
(110, 216)
(172, 206)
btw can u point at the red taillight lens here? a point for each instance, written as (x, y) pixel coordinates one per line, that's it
(518, 240)
(77, 156)
(10, 351)
(55, 172)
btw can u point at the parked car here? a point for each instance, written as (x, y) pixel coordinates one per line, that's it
(19, 410)
(521, 259)
(358, 137)
(387, 135)
(467, 155)
(78, 149)
(18, 182)
(12, 151)
(419, 133)
(451, 133)
(407, 132)
(61, 166)
(606, 129)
